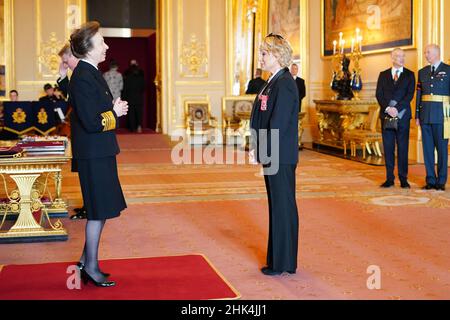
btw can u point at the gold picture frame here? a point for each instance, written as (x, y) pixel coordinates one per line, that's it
(197, 110)
(402, 17)
(7, 49)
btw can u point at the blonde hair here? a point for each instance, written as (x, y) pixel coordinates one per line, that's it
(279, 47)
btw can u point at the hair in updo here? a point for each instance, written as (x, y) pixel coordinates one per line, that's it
(81, 39)
(279, 47)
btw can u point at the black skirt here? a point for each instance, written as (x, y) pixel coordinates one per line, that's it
(102, 194)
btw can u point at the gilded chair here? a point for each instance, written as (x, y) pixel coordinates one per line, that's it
(200, 125)
(368, 138)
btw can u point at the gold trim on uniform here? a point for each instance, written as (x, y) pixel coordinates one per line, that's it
(108, 121)
(446, 109)
(435, 98)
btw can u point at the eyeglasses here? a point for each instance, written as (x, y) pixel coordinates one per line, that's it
(275, 36)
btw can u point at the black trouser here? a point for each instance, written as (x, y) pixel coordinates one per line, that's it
(401, 138)
(283, 219)
(135, 116)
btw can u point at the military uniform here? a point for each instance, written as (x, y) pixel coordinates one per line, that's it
(95, 144)
(432, 104)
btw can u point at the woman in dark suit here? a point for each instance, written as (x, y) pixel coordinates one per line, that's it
(94, 120)
(275, 111)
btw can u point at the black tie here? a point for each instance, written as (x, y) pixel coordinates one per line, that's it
(433, 69)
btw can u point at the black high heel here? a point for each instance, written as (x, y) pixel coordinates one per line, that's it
(81, 267)
(86, 278)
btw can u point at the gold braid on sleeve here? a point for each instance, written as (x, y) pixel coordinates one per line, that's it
(108, 121)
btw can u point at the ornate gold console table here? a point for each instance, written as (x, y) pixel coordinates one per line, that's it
(26, 199)
(337, 116)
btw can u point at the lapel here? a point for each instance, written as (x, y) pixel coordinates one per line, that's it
(268, 88)
(98, 76)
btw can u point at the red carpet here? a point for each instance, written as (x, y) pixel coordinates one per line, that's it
(189, 277)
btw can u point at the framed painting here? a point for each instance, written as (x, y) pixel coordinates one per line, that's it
(284, 19)
(384, 25)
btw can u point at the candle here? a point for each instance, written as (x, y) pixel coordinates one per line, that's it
(334, 46)
(357, 32)
(343, 46)
(353, 44)
(360, 43)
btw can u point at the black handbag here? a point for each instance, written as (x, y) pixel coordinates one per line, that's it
(390, 123)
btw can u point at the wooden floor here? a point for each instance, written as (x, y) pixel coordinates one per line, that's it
(348, 225)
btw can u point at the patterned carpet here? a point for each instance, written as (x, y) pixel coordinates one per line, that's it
(347, 224)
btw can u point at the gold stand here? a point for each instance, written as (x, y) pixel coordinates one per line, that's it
(27, 199)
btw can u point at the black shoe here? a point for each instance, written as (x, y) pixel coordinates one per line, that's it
(440, 187)
(387, 184)
(80, 214)
(269, 272)
(86, 278)
(81, 267)
(404, 184)
(429, 187)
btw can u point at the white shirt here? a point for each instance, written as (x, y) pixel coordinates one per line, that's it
(436, 65)
(394, 70)
(87, 61)
(274, 74)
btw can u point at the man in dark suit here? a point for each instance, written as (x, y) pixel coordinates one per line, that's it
(300, 84)
(255, 85)
(395, 91)
(432, 108)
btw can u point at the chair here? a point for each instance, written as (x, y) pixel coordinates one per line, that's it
(367, 137)
(200, 125)
(234, 129)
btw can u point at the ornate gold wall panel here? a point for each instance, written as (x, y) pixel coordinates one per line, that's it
(192, 62)
(41, 28)
(193, 38)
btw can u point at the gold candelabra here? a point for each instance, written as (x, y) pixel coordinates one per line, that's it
(338, 58)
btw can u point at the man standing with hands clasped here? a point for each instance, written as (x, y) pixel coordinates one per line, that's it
(432, 115)
(395, 91)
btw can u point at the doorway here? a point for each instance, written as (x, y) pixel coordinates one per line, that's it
(142, 49)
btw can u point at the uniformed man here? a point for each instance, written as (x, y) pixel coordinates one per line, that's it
(69, 62)
(433, 94)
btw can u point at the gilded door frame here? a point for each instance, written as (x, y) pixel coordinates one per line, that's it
(9, 47)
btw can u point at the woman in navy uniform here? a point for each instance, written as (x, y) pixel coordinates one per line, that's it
(276, 110)
(94, 120)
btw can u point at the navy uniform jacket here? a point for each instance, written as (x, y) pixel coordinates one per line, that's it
(281, 114)
(439, 84)
(402, 91)
(93, 120)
